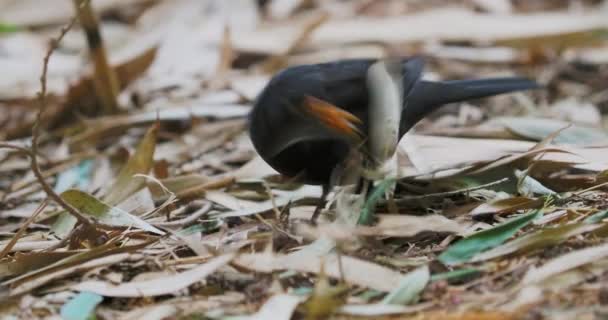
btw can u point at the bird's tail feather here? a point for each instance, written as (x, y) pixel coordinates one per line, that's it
(427, 96)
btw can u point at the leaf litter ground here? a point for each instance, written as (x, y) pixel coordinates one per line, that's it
(500, 214)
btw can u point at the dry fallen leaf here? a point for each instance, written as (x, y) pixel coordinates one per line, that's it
(156, 287)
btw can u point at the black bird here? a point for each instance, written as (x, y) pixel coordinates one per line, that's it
(308, 118)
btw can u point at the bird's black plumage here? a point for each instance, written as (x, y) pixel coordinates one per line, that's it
(295, 144)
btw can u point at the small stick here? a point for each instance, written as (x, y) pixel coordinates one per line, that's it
(22, 229)
(187, 220)
(36, 129)
(448, 193)
(105, 80)
(320, 204)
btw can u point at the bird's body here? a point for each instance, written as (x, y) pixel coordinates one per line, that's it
(303, 122)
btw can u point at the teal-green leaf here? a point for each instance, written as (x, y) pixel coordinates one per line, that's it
(89, 205)
(367, 213)
(81, 307)
(409, 287)
(597, 217)
(466, 248)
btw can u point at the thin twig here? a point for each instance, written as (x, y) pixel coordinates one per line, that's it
(36, 129)
(6, 145)
(405, 199)
(22, 229)
(189, 219)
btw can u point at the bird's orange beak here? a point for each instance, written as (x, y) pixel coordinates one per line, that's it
(332, 117)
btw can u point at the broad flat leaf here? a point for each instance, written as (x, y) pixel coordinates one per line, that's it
(156, 287)
(409, 287)
(88, 204)
(546, 237)
(463, 250)
(539, 128)
(125, 184)
(139, 163)
(81, 307)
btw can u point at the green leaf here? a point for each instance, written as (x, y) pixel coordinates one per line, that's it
(367, 213)
(8, 28)
(81, 307)
(455, 275)
(125, 185)
(409, 287)
(88, 204)
(79, 177)
(546, 237)
(465, 249)
(596, 217)
(539, 128)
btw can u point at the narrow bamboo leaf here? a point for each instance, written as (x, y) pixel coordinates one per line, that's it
(463, 250)
(409, 287)
(367, 213)
(79, 177)
(543, 238)
(597, 217)
(139, 163)
(88, 204)
(455, 275)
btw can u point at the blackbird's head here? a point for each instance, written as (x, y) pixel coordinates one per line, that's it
(298, 134)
